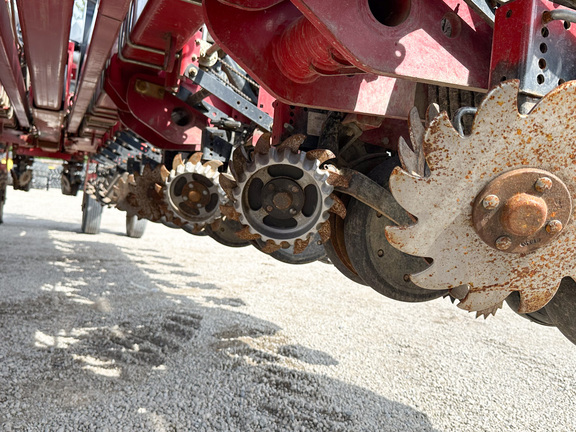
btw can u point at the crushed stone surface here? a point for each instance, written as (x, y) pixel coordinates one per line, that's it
(174, 332)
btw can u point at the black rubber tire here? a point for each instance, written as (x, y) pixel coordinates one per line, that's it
(135, 227)
(3, 189)
(539, 317)
(561, 309)
(91, 215)
(379, 264)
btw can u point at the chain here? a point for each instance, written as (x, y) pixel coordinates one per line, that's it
(239, 73)
(229, 84)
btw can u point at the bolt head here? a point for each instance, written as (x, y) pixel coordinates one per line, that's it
(293, 211)
(503, 243)
(269, 209)
(491, 202)
(380, 253)
(543, 184)
(294, 189)
(554, 227)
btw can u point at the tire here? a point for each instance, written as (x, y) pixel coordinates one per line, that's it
(135, 227)
(91, 215)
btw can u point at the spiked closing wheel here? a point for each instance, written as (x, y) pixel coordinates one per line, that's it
(193, 193)
(502, 140)
(283, 197)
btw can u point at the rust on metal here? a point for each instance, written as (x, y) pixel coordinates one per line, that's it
(338, 208)
(322, 155)
(554, 227)
(524, 215)
(336, 179)
(239, 162)
(543, 184)
(144, 196)
(524, 212)
(291, 143)
(269, 247)
(230, 212)
(325, 232)
(262, 146)
(491, 202)
(228, 184)
(501, 141)
(245, 234)
(301, 245)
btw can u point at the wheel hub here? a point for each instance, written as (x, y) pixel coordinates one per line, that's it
(283, 198)
(522, 210)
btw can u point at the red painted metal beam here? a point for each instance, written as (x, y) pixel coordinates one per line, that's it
(164, 26)
(413, 44)
(252, 43)
(45, 30)
(111, 13)
(10, 73)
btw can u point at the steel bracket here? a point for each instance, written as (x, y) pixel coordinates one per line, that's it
(540, 55)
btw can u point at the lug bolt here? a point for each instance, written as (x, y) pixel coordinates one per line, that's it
(543, 184)
(380, 253)
(293, 211)
(554, 227)
(269, 209)
(491, 202)
(503, 243)
(294, 189)
(205, 192)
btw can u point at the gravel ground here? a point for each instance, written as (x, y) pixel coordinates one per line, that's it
(173, 332)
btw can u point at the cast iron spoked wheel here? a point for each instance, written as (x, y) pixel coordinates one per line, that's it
(283, 197)
(224, 232)
(561, 309)
(379, 264)
(314, 252)
(91, 215)
(193, 193)
(135, 227)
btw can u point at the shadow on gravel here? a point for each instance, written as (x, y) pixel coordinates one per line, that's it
(92, 342)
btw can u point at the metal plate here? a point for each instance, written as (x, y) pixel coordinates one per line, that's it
(520, 214)
(501, 140)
